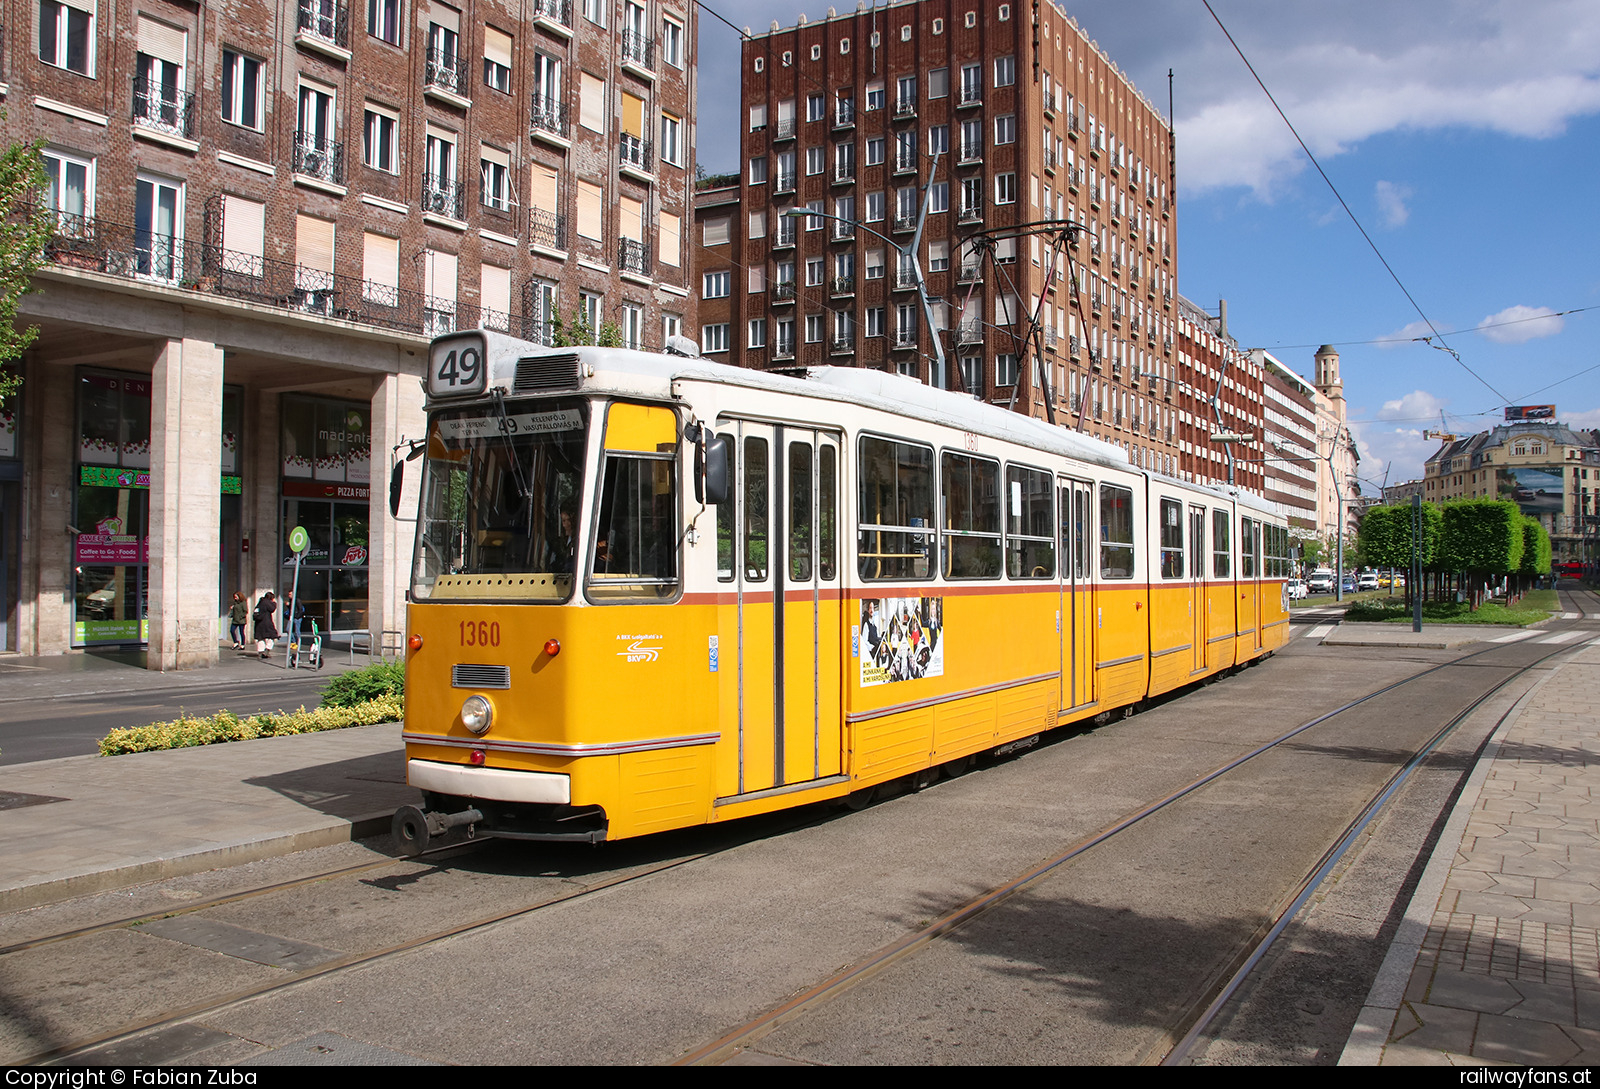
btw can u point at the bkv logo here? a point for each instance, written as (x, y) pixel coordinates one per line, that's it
(637, 650)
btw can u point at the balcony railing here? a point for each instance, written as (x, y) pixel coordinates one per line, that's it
(163, 109)
(634, 152)
(844, 172)
(783, 291)
(443, 196)
(117, 249)
(633, 256)
(547, 229)
(844, 115)
(843, 231)
(904, 338)
(905, 108)
(548, 115)
(843, 345)
(784, 183)
(905, 221)
(783, 129)
(905, 162)
(970, 96)
(969, 332)
(971, 151)
(783, 349)
(970, 213)
(970, 274)
(559, 11)
(638, 49)
(326, 21)
(905, 279)
(320, 159)
(785, 236)
(445, 71)
(844, 285)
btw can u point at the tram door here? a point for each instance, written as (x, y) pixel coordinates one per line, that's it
(1078, 626)
(1200, 624)
(786, 576)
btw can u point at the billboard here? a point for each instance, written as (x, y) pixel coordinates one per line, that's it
(1534, 491)
(1515, 413)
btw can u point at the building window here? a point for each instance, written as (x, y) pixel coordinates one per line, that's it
(1005, 370)
(875, 151)
(906, 93)
(595, 11)
(757, 333)
(815, 160)
(377, 140)
(1005, 71)
(814, 272)
(633, 326)
(716, 285)
(875, 321)
(939, 197)
(66, 37)
(497, 59)
(714, 338)
(1005, 189)
(874, 208)
(938, 256)
(383, 20)
(875, 95)
(494, 185)
(758, 170)
(939, 83)
(814, 221)
(71, 192)
(939, 140)
(815, 107)
(874, 264)
(1005, 129)
(672, 43)
(813, 328)
(241, 90)
(157, 228)
(671, 129)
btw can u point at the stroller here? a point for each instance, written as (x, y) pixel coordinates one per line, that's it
(313, 655)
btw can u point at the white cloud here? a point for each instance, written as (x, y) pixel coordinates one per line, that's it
(1392, 203)
(1416, 405)
(1404, 335)
(1586, 420)
(1519, 324)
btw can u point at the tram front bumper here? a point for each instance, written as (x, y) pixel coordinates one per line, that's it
(496, 784)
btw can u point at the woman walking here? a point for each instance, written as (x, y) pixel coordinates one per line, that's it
(238, 613)
(266, 622)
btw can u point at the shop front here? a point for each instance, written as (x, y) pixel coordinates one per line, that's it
(326, 487)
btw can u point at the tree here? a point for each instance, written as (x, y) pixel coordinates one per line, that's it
(1483, 538)
(26, 227)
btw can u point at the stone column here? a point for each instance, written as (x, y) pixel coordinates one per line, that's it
(396, 416)
(185, 504)
(44, 613)
(263, 480)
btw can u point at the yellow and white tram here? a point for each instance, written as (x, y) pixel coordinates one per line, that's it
(654, 591)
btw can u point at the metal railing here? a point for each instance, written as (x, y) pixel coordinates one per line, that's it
(970, 96)
(445, 71)
(905, 279)
(970, 213)
(783, 291)
(905, 108)
(969, 332)
(784, 183)
(783, 129)
(971, 151)
(904, 338)
(842, 345)
(785, 235)
(844, 115)
(844, 172)
(970, 274)
(634, 152)
(843, 230)
(326, 21)
(633, 256)
(320, 159)
(905, 221)
(559, 11)
(547, 229)
(904, 161)
(638, 48)
(443, 196)
(168, 111)
(844, 285)
(548, 115)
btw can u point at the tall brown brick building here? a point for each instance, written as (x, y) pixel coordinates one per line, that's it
(1031, 122)
(263, 211)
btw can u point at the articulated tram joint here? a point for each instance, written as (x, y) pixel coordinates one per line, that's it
(413, 829)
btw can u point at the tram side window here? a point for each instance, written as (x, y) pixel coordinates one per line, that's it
(828, 517)
(800, 539)
(1030, 514)
(726, 514)
(635, 548)
(969, 491)
(1221, 566)
(1171, 539)
(755, 509)
(896, 510)
(1116, 532)
(1247, 548)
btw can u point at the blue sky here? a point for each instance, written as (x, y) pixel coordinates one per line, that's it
(1463, 134)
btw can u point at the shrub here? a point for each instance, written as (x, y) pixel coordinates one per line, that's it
(370, 682)
(189, 730)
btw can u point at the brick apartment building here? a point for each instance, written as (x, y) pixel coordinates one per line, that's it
(263, 212)
(1219, 390)
(1290, 461)
(1031, 122)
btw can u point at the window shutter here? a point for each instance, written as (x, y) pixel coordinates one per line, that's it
(495, 293)
(380, 261)
(162, 41)
(671, 239)
(244, 226)
(313, 243)
(545, 191)
(497, 46)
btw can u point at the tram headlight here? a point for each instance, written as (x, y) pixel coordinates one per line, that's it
(477, 714)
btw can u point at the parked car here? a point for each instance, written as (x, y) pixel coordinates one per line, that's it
(1348, 584)
(1320, 581)
(1367, 581)
(1297, 589)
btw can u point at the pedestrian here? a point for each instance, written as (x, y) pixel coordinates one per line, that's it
(266, 623)
(238, 612)
(294, 617)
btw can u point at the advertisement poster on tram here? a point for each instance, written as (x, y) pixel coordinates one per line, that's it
(902, 639)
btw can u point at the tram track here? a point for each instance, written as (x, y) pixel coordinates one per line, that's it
(1234, 975)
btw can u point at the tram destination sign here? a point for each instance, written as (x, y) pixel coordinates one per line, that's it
(467, 428)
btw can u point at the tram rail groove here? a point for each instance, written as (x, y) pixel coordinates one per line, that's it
(745, 1035)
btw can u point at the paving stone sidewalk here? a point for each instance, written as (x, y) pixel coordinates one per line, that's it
(1507, 970)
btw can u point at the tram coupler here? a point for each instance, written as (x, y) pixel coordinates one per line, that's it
(413, 829)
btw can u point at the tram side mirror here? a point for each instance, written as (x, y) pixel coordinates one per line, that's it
(711, 472)
(397, 483)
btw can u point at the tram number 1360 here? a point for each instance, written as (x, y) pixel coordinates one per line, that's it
(456, 366)
(480, 633)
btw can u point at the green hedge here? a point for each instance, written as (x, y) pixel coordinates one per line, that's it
(370, 682)
(188, 730)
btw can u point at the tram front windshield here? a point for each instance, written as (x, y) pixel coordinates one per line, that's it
(500, 502)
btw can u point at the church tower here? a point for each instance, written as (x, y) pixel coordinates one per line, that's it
(1328, 381)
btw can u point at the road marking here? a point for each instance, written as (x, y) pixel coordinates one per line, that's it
(1569, 616)
(1320, 630)
(1513, 637)
(1563, 637)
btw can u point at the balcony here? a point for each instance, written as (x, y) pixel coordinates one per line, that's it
(783, 129)
(904, 339)
(784, 183)
(905, 109)
(547, 229)
(905, 221)
(554, 15)
(843, 231)
(969, 332)
(844, 173)
(970, 274)
(443, 196)
(633, 256)
(970, 96)
(783, 292)
(844, 285)
(634, 155)
(970, 213)
(163, 109)
(324, 26)
(905, 279)
(905, 162)
(444, 75)
(322, 160)
(638, 53)
(1074, 347)
(784, 349)
(1050, 339)
(843, 345)
(970, 152)
(844, 116)
(547, 118)
(784, 239)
